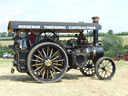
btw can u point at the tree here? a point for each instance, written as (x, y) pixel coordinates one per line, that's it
(90, 33)
(110, 31)
(111, 42)
(3, 34)
(126, 46)
(9, 34)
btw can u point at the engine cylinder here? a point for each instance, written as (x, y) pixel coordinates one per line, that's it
(94, 52)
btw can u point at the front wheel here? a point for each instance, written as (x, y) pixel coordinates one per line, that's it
(47, 62)
(105, 68)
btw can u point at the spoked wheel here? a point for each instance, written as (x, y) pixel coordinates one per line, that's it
(28, 74)
(89, 69)
(47, 62)
(50, 35)
(105, 68)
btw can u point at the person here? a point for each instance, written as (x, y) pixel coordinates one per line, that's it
(17, 39)
(25, 40)
(81, 38)
(32, 39)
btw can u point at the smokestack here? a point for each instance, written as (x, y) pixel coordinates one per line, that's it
(95, 32)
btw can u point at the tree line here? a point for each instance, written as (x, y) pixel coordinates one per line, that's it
(90, 33)
(5, 34)
(111, 42)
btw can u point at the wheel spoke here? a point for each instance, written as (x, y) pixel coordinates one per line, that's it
(40, 53)
(43, 74)
(109, 66)
(55, 58)
(107, 74)
(47, 73)
(37, 68)
(54, 70)
(57, 68)
(88, 61)
(57, 64)
(42, 69)
(103, 63)
(38, 57)
(107, 63)
(51, 53)
(102, 72)
(44, 52)
(47, 50)
(52, 74)
(109, 71)
(36, 60)
(55, 53)
(58, 60)
(88, 70)
(37, 64)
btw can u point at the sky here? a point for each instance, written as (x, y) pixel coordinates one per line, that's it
(113, 13)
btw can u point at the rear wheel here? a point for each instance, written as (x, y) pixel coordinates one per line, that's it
(105, 68)
(47, 62)
(28, 74)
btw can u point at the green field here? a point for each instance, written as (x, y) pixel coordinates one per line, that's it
(125, 39)
(5, 38)
(5, 62)
(5, 42)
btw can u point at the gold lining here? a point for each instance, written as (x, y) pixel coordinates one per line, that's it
(94, 52)
(88, 53)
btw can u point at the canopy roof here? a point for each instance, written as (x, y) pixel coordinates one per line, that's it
(70, 27)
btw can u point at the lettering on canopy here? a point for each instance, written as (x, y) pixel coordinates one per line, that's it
(29, 26)
(75, 27)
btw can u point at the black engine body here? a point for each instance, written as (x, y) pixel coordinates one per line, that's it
(79, 54)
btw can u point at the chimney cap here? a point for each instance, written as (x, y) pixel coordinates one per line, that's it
(96, 18)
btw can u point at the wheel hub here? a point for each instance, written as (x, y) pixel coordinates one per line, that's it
(48, 62)
(89, 66)
(106, 69)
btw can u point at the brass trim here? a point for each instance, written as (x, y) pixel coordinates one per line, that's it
(94, 52)
(88, 53)
(48, 62)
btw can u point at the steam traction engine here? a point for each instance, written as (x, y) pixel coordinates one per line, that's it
(50, 58)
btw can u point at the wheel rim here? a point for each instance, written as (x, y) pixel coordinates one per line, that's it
(48, 63)
(89, 68)
(105, 69)
(50, 35)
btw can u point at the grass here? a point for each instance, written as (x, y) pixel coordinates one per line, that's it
(6, 43)
(5, 62)
(5, 38)
(121, 64)
(125, 39)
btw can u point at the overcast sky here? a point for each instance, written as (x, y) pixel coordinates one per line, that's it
(113, 13)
